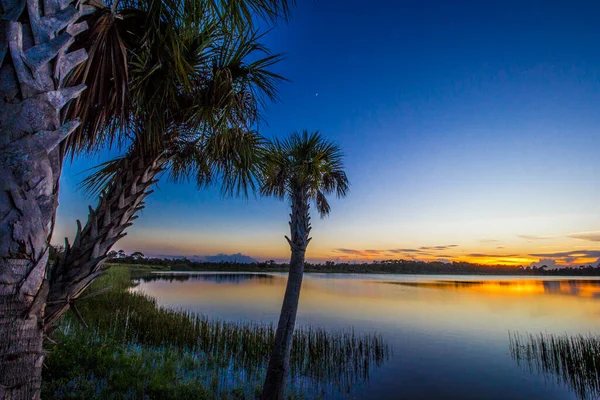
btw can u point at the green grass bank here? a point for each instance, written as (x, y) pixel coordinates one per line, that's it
(133, 349)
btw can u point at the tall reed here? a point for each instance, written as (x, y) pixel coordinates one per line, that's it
(573, 361)
(221, 355)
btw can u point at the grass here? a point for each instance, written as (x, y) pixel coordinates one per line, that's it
(135, 349)
(572, 360)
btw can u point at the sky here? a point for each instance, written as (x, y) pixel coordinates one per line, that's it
(470, 132)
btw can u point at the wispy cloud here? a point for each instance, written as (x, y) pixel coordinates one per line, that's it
(427, 251)
(445, 247)
(490, 241)
(536, 237)
(489, 255)
(573, 257)
(397, 251)
(593, 236)
(572, 253)
(359, 253)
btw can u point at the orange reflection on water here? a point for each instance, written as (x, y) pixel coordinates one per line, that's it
(579, 288)
(474, 305)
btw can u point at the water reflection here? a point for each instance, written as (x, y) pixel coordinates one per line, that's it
(448, 333)
(580, 288)
(234, 278)
(571, 360)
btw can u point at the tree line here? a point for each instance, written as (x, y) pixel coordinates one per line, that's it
(374, 267)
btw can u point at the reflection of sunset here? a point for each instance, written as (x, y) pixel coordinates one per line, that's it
(419, 302)
(516, 287)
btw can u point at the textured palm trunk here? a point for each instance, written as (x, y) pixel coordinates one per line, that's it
(83, 260)
(279, 363)
(34, 61)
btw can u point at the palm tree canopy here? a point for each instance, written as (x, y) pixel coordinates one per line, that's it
(307, 163)
(201, 104)
(145, 57)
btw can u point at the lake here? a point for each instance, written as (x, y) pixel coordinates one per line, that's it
(449, 335)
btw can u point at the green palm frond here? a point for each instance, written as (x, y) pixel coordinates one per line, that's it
(144, 54)
(230, 156)
(104, 108)
(101, 176)
(304, 162)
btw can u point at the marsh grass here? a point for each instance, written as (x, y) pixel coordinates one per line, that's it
(135, 349)
(573, 361)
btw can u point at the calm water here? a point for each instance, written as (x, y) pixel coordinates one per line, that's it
(449, 334)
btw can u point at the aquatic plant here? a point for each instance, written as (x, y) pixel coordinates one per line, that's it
(158, 352)
(573, 361)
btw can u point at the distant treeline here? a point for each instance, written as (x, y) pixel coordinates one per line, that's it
(375, 267)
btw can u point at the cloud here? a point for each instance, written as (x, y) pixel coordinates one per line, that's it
(490, 241)
(486, 255)
(361, 253)
(550, 263)
(593, 236)
(425, 250)
(562, 258)
(396, 251)
(446, 247)
(535, 237)
(571, 254)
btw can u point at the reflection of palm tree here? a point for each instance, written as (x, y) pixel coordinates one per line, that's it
(303, 168)
(193, 98)
(574, 361)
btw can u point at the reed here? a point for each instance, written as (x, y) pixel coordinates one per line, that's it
(573, 361)
(162, 351)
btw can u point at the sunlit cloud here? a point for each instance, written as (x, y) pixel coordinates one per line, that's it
(490, 241)
(426, 253)
(492, 255)
(360, 253)
(536, 237)
(573, 257)
(593, 236)
(449, 246)
(398, 251)
(572, 253)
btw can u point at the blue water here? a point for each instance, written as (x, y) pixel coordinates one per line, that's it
(449, 334)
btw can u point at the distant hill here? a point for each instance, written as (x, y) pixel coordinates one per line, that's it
(237, 258)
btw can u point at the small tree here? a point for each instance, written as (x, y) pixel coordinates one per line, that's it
(302, 168)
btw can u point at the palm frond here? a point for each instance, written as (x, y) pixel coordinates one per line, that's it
(104, 108)
(307, 163)
(102, 176)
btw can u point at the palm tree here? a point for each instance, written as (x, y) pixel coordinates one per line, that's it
(302, 168)
(193, 99)
(42, 48)
(35, 59)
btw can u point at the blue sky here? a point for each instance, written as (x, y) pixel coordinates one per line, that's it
(471, 126)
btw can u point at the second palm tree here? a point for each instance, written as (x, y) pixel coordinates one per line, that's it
(302, 168)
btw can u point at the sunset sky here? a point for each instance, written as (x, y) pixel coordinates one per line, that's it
(470, 129)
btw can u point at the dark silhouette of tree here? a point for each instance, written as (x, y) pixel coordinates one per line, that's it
(303, 168)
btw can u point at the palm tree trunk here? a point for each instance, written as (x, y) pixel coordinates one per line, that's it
(83, 260)
(34, 40)
(279, 363)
